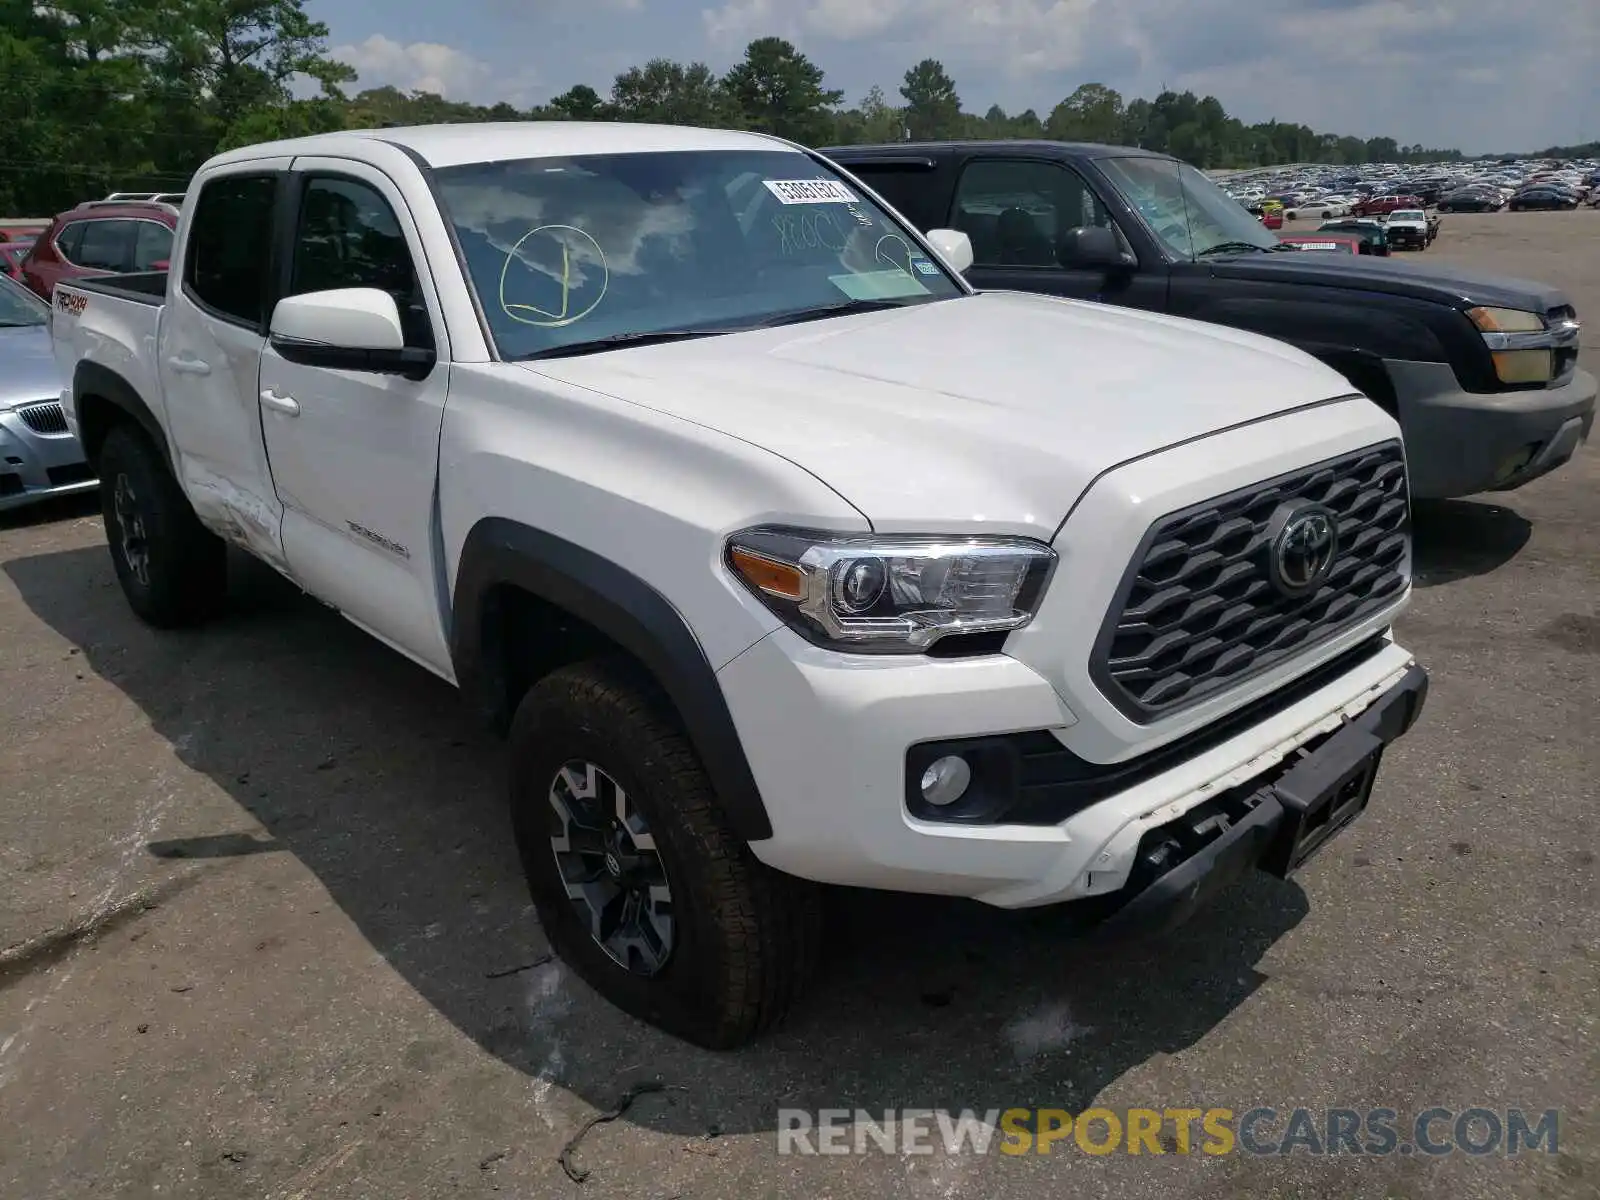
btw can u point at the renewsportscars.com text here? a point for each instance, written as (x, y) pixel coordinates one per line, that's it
(1258, 1131)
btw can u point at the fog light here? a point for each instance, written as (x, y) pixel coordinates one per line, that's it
(946, 779)
(1516, 462)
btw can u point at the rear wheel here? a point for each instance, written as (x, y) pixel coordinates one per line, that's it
(640, 882)
(173, 570)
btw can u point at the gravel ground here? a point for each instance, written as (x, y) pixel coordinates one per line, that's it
(262, 933)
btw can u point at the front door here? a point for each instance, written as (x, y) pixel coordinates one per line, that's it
(1017, 213)
(354, 454)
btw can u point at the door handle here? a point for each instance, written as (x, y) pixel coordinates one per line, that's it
(189, 366)
(287, 405)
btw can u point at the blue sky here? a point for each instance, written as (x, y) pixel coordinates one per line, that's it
(1480, 74)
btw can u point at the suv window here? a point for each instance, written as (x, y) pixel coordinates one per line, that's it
(906, 185)
(152, 244)
(349, 237)
(1017, 212)
(106, 245)
(68, 239)
(225, 264)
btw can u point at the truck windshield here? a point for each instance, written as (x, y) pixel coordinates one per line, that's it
(19, 307)
(605, 250)
(1190, 214)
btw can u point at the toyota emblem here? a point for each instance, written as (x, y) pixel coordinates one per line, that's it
(1304, 543)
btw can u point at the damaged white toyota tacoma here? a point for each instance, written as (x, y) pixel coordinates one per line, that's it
(782, 556)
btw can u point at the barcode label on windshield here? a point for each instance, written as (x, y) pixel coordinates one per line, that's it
(810, 191)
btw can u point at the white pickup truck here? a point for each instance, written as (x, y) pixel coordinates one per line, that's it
(782, 556)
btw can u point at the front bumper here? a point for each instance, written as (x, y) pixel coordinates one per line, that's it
(1459, 443)
(828, 736)
(36, 466)
(1275, 824)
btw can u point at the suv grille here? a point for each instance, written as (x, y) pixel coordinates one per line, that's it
(1566, 356)
(44, 418)
(1199, 610)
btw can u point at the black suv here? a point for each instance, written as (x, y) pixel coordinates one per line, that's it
(1481, 371)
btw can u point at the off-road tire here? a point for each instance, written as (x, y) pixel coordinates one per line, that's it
(184, 578)
(746, 937)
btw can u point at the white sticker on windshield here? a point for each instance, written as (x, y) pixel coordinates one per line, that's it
(810, 191)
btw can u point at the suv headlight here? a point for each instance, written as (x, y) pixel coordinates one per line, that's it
(891, 595)
(1522, 345)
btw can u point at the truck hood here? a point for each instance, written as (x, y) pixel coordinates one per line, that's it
(988, 412)
(27, 366)
(1402, 277)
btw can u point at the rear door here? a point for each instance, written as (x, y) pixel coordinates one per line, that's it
(212, 332)
(1017, 211)
(355, 454)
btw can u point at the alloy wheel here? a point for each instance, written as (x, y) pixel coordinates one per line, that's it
(130, 529)
(608, 862)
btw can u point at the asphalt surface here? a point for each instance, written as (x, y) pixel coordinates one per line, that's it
(262, 933)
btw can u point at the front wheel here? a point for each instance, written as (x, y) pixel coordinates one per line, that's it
(639, 879)
(173, 570)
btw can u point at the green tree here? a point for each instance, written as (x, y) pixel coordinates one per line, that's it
(933, 109)
(232, 56)
(670, 93)
(779, 91)
(1093, 113)
(580, 103)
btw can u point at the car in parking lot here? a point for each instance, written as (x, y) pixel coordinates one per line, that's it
(39, 456)
(11, 256)
(102, 237)
(1336, 243)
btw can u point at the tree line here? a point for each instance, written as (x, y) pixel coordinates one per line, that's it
(105, 95)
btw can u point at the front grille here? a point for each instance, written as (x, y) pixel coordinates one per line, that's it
(44, 418)
(1199, 611)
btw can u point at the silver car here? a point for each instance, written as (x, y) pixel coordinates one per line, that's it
(38, 457)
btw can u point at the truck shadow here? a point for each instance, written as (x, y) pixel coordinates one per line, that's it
(372, 774)
(1458, 539)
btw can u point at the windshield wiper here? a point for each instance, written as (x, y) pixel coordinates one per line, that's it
(1230, 248)
(616, 340)
(842, 308)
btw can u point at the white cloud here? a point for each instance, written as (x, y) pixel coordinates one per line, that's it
(432, 67)
(1022, 36)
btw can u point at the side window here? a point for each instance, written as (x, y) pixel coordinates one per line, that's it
(68, 241)
(152, 244)
(908, 187)
(1016, 213)
(106, 245)
(225, 262)
(349, 237)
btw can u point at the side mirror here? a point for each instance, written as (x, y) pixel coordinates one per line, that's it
(953, 246)
(347, 329)
(1090, 246)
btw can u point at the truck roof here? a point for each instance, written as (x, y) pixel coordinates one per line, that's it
(1037, 146)
(489, 141)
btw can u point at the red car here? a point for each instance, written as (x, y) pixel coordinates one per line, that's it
(1334, 243)
(102, 237)
(1375, 206)
(11, 256)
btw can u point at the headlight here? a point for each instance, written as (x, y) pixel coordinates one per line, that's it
(1521, 344)
(1505, 320)
(891, 595)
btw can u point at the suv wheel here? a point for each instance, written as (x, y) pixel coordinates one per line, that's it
(639, 880)
(173, 570)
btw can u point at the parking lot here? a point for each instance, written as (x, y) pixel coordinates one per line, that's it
(263, 932)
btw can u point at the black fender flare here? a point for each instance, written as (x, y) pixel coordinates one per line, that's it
(93, 379)
(616, 602)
